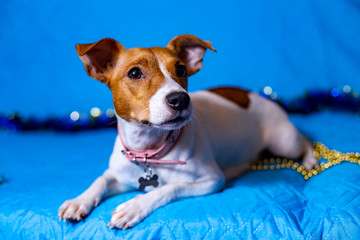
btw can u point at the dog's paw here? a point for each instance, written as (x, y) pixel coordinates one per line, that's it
(75, 209)
(129, 213)
(309, 161)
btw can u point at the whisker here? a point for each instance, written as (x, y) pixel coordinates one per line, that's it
(197, 114)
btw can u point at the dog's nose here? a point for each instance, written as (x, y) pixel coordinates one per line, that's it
(178, 100)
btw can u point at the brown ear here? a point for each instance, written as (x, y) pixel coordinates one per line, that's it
(99, 57)
(190, 50)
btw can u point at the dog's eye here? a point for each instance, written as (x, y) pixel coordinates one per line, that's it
(135, 73)
(181, 71)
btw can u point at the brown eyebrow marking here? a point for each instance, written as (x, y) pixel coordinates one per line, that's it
(140, 61)
(236, 95)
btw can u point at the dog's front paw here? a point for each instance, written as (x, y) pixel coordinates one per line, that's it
(75, 209)
(130, 213)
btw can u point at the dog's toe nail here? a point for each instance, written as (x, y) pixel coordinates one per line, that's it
(126, 226)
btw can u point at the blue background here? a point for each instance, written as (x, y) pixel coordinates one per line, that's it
(289, 45)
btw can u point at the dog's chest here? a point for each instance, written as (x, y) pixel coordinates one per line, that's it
(141, 177)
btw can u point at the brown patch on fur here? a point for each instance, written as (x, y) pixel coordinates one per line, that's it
(236, 95)
(190, 50)
(99, 57)
(170, 61)
(132, 97)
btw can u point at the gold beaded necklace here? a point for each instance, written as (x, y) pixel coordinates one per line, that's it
(333, 158)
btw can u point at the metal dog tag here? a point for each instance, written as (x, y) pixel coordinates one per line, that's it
(149, 179)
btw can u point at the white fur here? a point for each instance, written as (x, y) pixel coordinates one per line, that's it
(159, 109)
(219, 143)
(146, 137)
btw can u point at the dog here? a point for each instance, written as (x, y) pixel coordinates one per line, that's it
(170, 143)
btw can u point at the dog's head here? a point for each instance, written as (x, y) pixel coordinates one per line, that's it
(148, 84)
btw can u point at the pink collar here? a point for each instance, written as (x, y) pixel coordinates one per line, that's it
(152, 156)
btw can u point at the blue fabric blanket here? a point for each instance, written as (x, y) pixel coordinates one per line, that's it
(277, 204)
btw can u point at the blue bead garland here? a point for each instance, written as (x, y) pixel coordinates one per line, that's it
(334, 99)
(313, 101)
(14, 122)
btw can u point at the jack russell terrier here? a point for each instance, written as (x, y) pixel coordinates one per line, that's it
(170, 143)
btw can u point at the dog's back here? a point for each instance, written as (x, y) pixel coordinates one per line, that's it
(238, 123)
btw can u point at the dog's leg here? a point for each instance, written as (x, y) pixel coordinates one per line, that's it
(103, 187)
(286, 141)
(133, 211)
(236, 171)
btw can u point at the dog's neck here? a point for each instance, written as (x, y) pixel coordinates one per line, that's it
(139, 137)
